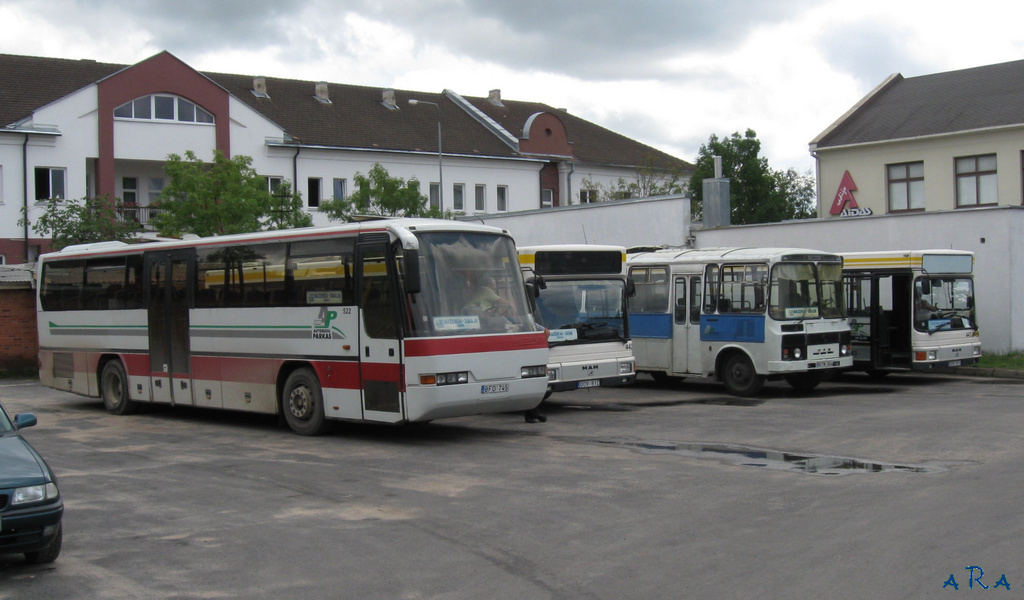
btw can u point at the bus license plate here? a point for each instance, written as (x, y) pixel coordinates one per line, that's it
(824, 364)
(495, 388)
(954, 363)
(589, 383)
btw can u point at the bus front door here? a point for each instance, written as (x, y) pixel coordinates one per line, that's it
(686, 355)
(380, 360)
(168, 274)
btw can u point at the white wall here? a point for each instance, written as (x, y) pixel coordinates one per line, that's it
(656, 221)
(993, 234)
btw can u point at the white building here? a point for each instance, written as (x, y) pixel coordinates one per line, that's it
(77, 128)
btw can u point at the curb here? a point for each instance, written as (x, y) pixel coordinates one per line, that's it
(988, 372)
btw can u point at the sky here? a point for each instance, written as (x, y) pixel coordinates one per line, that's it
(667, 73)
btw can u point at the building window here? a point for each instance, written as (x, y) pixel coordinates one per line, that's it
(50, 183)
(156, 187)
(976, 180)
(588, 196)
(339, 189)
(435, 195)
(502, 198)
(273, 185)
(481, 197)
(313, 192)
(130, 190)
(547, 198)
(458, 193)
(165, 108)
(906, 186)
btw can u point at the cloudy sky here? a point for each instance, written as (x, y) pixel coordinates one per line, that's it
(668, 73)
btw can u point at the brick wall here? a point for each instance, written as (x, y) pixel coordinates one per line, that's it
(19, 342)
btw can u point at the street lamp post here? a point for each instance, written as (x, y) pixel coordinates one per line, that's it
(440, 165)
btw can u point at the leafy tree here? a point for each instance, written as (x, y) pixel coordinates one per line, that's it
(378, 193)
(758, 194)
(652, 179)
(84, 221)
(222, 197)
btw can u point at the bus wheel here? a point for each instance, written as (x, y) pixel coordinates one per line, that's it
(114, 389)
(740, 377)
(803, 382)
(302, 402)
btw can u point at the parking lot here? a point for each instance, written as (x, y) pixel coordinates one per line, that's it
(861, 489)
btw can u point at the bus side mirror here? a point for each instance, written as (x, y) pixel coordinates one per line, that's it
(926, 287)
(412, 271)
(532, 293)
(630, 287)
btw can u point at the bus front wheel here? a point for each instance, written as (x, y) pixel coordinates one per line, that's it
(740, 377)
(114, 389)
(302, 402)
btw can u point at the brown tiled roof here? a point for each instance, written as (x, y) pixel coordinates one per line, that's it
(964, 100)
(355, 117)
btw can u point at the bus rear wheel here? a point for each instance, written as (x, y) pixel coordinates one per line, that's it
(114, 389)
(302, 402)
(740, 377)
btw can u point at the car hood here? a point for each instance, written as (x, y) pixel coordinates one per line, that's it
(20, 464)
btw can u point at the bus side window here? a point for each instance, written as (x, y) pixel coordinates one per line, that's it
(680, 305)
(711, 289)
(695, 299)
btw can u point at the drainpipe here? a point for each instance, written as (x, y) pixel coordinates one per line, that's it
(295, 170)
(24, 187)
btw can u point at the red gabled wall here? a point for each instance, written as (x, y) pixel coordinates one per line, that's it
(544, 133)
(162, 73)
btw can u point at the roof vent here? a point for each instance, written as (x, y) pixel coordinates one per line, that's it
(259, 87)
(388, 99)
(321, 93)
(494, 97)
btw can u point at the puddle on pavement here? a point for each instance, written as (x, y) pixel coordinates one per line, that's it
(746, 456)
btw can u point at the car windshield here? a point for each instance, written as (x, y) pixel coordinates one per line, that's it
(5, 421)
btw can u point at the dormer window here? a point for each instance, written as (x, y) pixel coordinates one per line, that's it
(163, 108)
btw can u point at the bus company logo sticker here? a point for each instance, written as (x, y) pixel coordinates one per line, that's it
(322, 329)
(844, 204)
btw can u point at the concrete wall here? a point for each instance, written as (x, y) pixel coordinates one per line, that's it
(655, 221)
(995, 235)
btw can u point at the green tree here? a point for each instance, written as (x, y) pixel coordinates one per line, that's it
(758, 194)
(378, 193)
(222, 197)
(84, 221)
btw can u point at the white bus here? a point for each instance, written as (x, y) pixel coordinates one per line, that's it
(740, 315)
(361, 322)
(582, 304)
(911, 309)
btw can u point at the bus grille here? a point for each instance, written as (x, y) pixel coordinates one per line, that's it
(63, 365)
(817, 339)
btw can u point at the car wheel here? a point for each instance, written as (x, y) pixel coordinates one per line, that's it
(740, 377)
(302, 402)
(49, 553)
(114, 389)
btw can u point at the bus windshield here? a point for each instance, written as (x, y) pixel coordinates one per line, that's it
(470, 284)
(582, 311)
(943, 303)
(806, 291)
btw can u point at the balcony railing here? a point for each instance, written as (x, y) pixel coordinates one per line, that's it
(138, 214)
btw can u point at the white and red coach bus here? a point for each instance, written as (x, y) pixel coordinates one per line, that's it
(369, 321)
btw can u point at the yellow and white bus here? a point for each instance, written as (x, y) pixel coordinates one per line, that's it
(582, 304)
(740, 315)
(911, 309)
(368, 321)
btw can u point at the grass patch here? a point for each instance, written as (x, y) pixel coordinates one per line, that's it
(1013, 360)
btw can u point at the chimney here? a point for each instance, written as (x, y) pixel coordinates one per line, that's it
(387, 98)
(321, 93)
(494, 97)
(259, 87)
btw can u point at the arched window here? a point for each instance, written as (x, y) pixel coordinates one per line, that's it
(162, 107)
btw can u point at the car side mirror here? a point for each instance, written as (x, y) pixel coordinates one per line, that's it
(24, 420)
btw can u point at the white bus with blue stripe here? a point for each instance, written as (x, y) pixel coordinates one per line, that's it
(739, 315)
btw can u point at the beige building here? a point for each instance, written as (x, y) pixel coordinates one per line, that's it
(947, 141)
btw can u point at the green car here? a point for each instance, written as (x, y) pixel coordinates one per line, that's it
(31, 508)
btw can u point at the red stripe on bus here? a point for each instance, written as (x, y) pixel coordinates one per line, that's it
(474, 344)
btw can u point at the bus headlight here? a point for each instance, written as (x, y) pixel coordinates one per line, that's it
(552, 374)
(533, 371)
(445, 378)
(625, 368)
